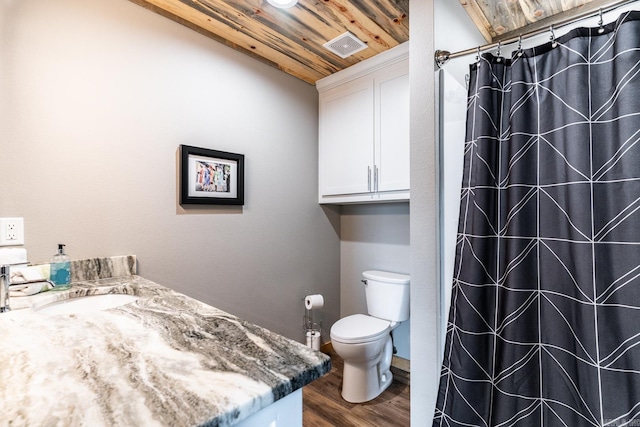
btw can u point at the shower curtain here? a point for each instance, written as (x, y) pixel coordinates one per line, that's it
(544, 325)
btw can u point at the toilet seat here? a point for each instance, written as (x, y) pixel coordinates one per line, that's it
(359, 328)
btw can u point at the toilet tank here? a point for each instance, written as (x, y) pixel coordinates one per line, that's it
(387, 295)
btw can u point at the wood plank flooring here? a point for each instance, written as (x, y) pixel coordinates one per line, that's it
(324, 407)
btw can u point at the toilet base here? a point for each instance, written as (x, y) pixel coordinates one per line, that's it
(361, 384)
(364, 380)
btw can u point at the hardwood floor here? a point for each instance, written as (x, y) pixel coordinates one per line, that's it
(324, 407)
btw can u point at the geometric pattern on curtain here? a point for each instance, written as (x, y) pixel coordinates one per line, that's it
(544, 325)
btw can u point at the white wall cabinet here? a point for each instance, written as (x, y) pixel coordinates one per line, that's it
(364, 131)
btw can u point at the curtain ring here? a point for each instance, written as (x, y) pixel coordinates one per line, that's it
(498, 52)
(478, 55)
(600, 23)
(553, 37)
(519, 51)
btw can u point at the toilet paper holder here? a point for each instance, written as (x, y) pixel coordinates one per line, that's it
(312, 333)
(309, 324)
(312, 328)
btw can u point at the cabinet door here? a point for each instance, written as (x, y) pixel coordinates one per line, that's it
(346, 139)
(392, 134)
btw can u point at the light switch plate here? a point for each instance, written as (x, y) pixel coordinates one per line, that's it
(11, 231)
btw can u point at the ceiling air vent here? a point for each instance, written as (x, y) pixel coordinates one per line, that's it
(345, 45)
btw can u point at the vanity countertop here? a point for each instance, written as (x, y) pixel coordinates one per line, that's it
(165, 359)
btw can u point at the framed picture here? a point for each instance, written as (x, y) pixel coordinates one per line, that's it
(210, 177)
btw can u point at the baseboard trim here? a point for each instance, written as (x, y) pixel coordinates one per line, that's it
(402, 364)
(396, 362)
(327, 348)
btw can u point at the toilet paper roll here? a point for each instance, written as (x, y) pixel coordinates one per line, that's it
(313, 301)
(313, 340)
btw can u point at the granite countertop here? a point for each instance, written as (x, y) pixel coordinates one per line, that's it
(165, 359)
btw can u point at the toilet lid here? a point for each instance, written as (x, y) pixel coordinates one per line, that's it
(359, 328)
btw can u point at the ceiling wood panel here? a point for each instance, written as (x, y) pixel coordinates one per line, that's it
(504, 19)
(292, 39)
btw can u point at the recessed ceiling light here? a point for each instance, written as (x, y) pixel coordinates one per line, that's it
(282, 4)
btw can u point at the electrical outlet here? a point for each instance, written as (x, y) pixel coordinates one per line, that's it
(11, 231)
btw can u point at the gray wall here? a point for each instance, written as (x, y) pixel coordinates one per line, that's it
(373, 237)
(96, 97)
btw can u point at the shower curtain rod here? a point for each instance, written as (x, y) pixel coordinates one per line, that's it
(442, 56)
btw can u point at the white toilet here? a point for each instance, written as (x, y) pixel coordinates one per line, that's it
(364, 341)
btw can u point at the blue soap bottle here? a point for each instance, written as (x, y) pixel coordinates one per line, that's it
(61, 269)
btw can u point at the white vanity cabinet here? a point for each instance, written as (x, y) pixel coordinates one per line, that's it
(364, 131)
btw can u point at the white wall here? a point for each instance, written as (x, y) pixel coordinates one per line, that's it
(451, 107)
(373, 237)
(451, 18)
(428, 19)
(452, 112)
(425, 295)
(96, 97)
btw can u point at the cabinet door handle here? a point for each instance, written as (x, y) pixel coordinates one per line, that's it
(375, 179)
(369, 178)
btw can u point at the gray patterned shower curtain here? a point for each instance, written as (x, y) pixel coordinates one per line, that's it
(544, 326)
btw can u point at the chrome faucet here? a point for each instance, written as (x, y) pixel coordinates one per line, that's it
(5, 279)
(5, 283)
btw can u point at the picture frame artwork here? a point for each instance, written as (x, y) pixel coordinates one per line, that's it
(211, 177)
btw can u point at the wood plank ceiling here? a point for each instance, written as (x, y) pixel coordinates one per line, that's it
(292, 39)
(504, 19)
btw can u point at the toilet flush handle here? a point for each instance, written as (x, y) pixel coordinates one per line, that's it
(364, 281)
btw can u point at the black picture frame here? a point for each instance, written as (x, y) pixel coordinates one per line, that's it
(210, 177)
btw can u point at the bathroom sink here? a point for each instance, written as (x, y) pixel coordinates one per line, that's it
(86, 304)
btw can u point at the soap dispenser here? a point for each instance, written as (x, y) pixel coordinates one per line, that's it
(61, 269)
